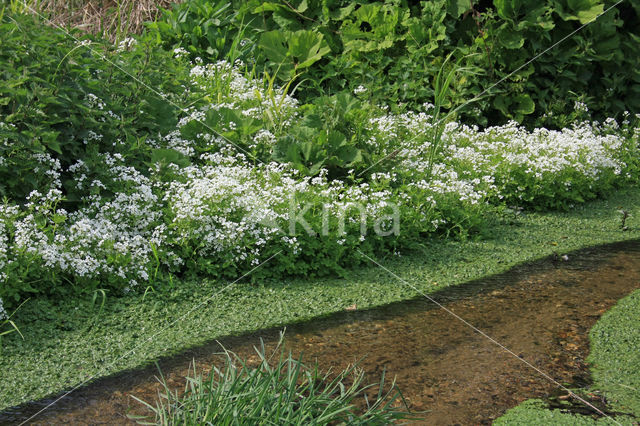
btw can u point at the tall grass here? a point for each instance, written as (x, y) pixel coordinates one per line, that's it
(286, 392)
(442, 92)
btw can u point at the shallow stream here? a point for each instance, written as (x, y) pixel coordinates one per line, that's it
(542, 312)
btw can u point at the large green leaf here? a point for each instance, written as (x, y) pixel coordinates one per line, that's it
(274, 46)
(372, 27)
(515, 106)
(585, 11)
(306, 48)
(456, 8)
(166, 156)
(510, 38)
(425, 32)
(292, 51)
(508, 9)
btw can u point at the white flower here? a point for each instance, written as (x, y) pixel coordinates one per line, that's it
(580, 106)
(179, 52)
(359, 90)
(126, 44)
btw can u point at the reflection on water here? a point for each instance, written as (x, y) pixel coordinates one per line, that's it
(542, 312)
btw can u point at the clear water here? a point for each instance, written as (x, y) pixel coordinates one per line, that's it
(542, 312)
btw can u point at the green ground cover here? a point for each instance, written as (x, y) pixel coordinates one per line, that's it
(138, 177)
(67, 341)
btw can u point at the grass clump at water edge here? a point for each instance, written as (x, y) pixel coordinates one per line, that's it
(285, 392)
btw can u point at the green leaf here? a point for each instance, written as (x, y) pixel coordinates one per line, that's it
(507, 9)
(302, 7)
(290, 52)
(343, 12)
(524, 104)
(312, 120)
(510, 38)
(274, 46)
(349, 155)
(456, 8)
(516, 106)
(307, 47)
(50, 139)
(335, 139)
(268, 7)
(584, 11)
(166, 156)
(590, 15)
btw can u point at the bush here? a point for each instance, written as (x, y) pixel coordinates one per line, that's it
(243, 174)
(64, 101)
(396, 48)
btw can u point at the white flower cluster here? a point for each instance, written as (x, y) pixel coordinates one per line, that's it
(3, 312)
(580, 106)
(180, 52)
(226, 209)
(229, 206)
(359, 90)
(4, 242)
(126, 44)
(475, 163)
(106, 237)
(230, 88)
(544, 156)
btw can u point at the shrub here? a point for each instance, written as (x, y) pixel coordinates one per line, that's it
(243, 174)
(64, 101)
(396, 48)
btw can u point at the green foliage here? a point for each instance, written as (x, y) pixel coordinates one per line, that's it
(331, 135)
(396, 48)
(535, 412)
(63, 101)
(7, 325)
(101, 165)
(58, 351)
(292, 52)
(209, 29)
(614, 354)
(283, 392)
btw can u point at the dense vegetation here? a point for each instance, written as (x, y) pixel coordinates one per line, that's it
(394, 49)
(129, 166)
(69, 340)
(274, 139)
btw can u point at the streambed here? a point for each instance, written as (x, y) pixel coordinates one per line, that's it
(542, 312)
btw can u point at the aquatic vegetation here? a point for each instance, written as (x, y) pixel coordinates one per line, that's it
(280, 391)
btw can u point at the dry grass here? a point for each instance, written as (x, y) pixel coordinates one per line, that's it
(111, 19)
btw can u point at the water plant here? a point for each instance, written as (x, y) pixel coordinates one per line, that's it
(284, 391)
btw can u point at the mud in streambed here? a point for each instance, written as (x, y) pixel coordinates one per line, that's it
(542, 312)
